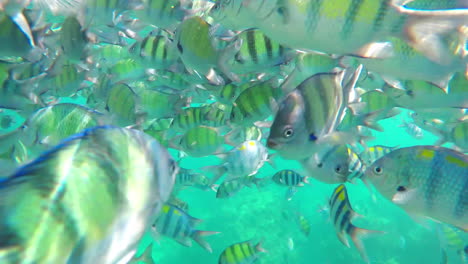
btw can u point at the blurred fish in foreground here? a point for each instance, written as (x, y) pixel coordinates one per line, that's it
(87, 200)
(427, 181)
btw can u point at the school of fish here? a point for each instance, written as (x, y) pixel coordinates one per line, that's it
(97, 96)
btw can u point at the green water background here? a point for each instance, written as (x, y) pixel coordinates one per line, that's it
(258, 215)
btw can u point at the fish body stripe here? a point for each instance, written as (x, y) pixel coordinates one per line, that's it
(380, 18)
(461, 204)
(251, 45)
(433, 181)
(350, 18)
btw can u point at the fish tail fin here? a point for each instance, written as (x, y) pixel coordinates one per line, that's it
(198, 237)
(61, 6)
(218, 172)
(356, 235)
(370, 120)
(425, 30)
(259, 247)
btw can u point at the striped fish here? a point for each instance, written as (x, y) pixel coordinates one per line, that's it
(310, 114)
(304, 224)
(191, 117)
(231, 187)
(371, 154)
(255, 103)
(173, 222)
(244, 160)
(156, 51)
(50, 125)
(241, 253)
(425, 180)
(73, 39)
(64, 80)
(457, 134)
(290, 178)
(200, 141)
(329, 164)
(352, 28)
(15, 40)
(122, 103)
(195, 45)
(341, 213)
(164, 14)
(258, 53)
(41, 220)
(186, 177)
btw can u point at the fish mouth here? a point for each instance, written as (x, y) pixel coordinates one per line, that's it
(272, 144)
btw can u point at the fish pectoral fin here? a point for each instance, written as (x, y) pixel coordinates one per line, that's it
(357, 234)
(376, 50)
(198, 237)
(403, 195)
(424, 30)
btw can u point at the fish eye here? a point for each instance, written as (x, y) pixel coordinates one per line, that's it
(401, 189)
(378, 170)
(320, 165)
(288, 132)
(338, 169)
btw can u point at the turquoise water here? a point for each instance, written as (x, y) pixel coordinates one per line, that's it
(253, 214)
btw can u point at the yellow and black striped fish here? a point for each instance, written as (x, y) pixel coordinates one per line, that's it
(76, 202)
(241, 253)
(341, 213)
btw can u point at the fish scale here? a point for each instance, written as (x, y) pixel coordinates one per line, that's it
(426, 180)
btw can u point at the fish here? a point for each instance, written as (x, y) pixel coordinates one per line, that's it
(88, 167)
(452, 239)
(156, 51)
(73, 39)
(200, 141)
(159, 102)
(198, 50)
(329, 164)
(241, 253)
(355, 29)
(307, 64)
(407, 63)
(244, 160)
(124, 106)
(412, 129)
(49, 125)
(230, 187)
(255, 103)
(190, 117)
(304, 224)
(426, 181)
(341, 213)
(414, 95)
(310, 114)
(17, 28)
(373, 153)
(173, 222)
(290, 178)
(258, 53)
(186, 177)
(456, 133)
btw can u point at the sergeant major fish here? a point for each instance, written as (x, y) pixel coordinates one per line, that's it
(41, 220)
(310, 114)
(341, 213)
(425, 180)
